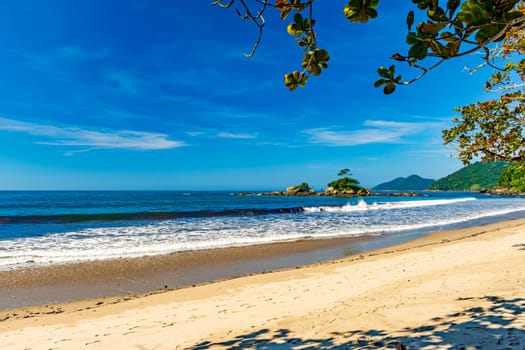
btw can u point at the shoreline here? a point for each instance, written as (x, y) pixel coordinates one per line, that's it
(123, 277)
(459, 287)
(126, 277)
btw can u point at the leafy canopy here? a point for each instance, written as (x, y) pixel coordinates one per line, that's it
(345, 182)
(494, 129)
(448, 29)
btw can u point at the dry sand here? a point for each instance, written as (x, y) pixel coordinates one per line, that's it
(462, 289)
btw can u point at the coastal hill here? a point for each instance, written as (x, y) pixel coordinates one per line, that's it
(474, 177)
(410, 183)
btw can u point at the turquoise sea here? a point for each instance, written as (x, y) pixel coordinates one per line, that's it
(39, 228)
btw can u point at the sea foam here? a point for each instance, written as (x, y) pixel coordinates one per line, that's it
(134, 239)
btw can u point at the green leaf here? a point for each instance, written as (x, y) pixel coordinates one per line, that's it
(383, 72)
(509, 16)
(371, 14)
(438, 15)
(473, 14)
(290, 82)
(421, 4)
(380, 82)
(284, 14)
(360, 10)
(389, 88)
(391, 70)
(439, 48)
(487, 32)
(314, 69)
(449, 37)
(294, 80)
(321, 55)
(410, 20)
(430, 28)
(453, 48)
(298, 19)
(418, 50)
(452, 6)
(350, 13)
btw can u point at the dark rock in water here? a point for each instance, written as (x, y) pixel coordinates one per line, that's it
(400, 346)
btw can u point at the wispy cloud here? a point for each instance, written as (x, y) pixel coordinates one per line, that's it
(374, 131)
(57, 58)
(229, 135)
(77, 137)
(213, 134)
(195, 133)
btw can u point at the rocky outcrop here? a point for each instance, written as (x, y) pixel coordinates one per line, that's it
(502, 191)
(298, 191)
(362, 192)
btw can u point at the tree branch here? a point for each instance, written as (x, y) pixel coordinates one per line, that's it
(257, 19)
(477, 47)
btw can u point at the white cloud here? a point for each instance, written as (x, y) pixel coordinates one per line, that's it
(229, 135)
(195, 133)
(107, 139)
(374, 131)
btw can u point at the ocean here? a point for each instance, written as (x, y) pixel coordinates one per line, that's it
(41, 228)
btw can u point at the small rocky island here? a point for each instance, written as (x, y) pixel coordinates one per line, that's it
(291, 191)
(344, 186)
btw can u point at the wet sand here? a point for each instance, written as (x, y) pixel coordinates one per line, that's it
(453, 289)
(71, 282)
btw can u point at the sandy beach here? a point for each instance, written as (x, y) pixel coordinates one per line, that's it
(460, 289)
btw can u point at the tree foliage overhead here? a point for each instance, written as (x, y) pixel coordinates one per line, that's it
(494, 129)
(448, 29)
(437, 31)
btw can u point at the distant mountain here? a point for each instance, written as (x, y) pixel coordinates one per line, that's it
(473, 177)
(411, 183)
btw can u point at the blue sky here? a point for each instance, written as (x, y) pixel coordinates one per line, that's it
(148, 94)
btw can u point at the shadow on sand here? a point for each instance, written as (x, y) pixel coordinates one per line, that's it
(500, 325)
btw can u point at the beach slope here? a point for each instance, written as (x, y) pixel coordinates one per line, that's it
(462, 288)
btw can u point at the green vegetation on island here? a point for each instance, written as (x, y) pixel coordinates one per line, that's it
(474, 177)
(300, 189)
(496, 177)
(410, 183)
(346, 185)
(343, 186)
(345, 182)
(513, 177)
